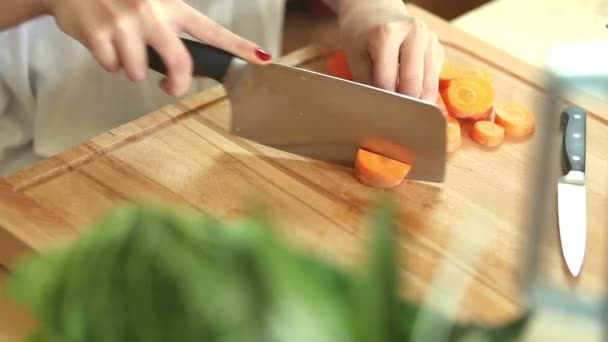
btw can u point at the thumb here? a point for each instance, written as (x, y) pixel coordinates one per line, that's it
(208, 31)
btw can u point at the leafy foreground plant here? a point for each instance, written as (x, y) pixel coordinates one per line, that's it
(144, 273)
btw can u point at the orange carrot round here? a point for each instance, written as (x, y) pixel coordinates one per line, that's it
(378, 171)
(448, 73)
(516, 120)
(468, 96)
(482, 116)
(454, 135)
(337, 65)
(487, 133)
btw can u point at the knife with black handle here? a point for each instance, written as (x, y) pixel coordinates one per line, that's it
(574, 119)
(571, 189)
(207, 60)
(318, 116)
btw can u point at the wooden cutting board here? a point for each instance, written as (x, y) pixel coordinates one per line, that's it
(473, 228)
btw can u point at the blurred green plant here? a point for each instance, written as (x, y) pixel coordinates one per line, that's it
(146, 273)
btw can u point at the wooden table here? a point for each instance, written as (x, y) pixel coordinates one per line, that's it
(531, 29)
(182, 154)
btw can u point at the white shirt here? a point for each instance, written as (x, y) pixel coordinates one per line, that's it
(54, 95)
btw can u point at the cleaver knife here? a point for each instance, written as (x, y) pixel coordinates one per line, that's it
(322, 117)
(571, 189)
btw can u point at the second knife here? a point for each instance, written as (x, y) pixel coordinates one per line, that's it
(571, 189)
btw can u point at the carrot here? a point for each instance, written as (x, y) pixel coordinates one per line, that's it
(487, 133)
(516, 120)
(482, 116)
(449, 72)
(468, 96)
(337, 65)
(377, 171)
(454, 140)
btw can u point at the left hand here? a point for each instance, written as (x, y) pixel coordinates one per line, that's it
(389, 49)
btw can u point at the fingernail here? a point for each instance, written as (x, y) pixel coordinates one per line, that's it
(263, 55)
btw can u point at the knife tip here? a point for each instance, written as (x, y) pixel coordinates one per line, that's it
(574, 266)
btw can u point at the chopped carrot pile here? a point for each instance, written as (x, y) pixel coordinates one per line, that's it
(517, 120)
(468, 94)
(487, 133)
(468, 97)
(337, 65)
(378, 171)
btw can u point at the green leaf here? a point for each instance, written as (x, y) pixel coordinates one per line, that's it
(375, 294)
(146, 273)
(509, 332)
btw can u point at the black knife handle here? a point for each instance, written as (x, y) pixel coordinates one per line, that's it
(208, 61)
(575, 136)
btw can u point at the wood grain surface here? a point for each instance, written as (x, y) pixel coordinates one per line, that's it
(15, 323)
(474, 227)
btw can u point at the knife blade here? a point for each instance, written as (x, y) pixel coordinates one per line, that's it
(323, 117)
(571, 189)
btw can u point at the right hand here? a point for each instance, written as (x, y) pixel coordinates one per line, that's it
(117, 32)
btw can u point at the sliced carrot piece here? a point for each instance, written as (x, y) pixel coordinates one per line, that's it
(337, 65)
(378, 171)
(482, 116)
(516, 119)
(454, 140)
(487, 133)
(468, 96)
(449, 72)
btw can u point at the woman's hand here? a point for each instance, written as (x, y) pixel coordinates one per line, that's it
(389, 49)
(117, 32)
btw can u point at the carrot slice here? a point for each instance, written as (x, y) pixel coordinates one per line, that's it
(516, 120)
(487, 133)
(337, 65)
(449, 72)
(482, 116)
(378, 171)
(468, 96)
(454, 134)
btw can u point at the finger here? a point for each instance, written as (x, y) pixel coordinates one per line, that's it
(433, 60)
(99, 43)
(175, 57)
(131, 51)
(411, 70)
(201, 27)
(385, 44)
(361, 66)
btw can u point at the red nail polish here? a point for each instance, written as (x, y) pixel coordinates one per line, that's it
(263, 55)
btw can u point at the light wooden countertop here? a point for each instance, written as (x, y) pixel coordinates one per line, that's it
(531, 29)
(15, 323)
